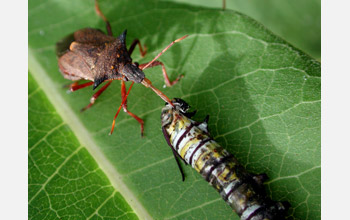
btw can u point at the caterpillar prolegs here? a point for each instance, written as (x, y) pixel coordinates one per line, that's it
(243, 191)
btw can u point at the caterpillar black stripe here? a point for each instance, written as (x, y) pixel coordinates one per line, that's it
(243, 191)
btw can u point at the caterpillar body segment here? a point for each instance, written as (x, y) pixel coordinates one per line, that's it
(243, 191)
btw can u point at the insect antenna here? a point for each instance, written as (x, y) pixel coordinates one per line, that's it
(120, 107)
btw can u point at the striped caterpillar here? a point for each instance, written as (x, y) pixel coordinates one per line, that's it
(190, 141)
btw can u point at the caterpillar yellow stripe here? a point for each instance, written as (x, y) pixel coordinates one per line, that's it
(243, 191)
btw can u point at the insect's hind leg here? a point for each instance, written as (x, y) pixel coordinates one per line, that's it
(165, 75)
(125, 107)
(96, 95)
(133, 45)
(99, 12)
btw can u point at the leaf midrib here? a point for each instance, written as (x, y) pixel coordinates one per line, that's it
(82, 134)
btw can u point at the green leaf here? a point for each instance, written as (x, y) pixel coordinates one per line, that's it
(262, 95)
(297, 21)
(64, 180)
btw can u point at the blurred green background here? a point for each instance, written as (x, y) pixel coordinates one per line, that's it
(296, 21)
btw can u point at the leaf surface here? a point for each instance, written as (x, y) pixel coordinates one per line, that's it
(64, 180)
(297, 21)
(262, 95)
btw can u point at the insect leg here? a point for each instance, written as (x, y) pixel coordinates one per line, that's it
(99, 12)
(120, 107)
(133, 45)
(165, 75)
(165, 49)
(125, 107)
(95, 96)
(75, 86)
(260, 178)
(167, 138)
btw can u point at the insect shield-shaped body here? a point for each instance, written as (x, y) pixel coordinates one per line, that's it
(243, 191)
(89, 54)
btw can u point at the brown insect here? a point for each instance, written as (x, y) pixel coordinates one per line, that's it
(89, 54)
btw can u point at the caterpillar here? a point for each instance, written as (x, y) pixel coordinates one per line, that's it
(191, 142)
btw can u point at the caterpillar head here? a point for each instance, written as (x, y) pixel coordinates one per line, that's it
(180, 105)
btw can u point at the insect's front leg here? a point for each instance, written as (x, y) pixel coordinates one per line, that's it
(125, 107)
(133, 45)
(165, 75)
(155, 62)
(96, 95)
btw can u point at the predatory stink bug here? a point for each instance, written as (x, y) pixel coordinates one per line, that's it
(89, 54)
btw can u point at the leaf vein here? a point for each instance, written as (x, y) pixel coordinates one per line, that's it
(56, 172)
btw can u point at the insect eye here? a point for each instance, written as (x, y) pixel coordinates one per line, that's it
(137, 64)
